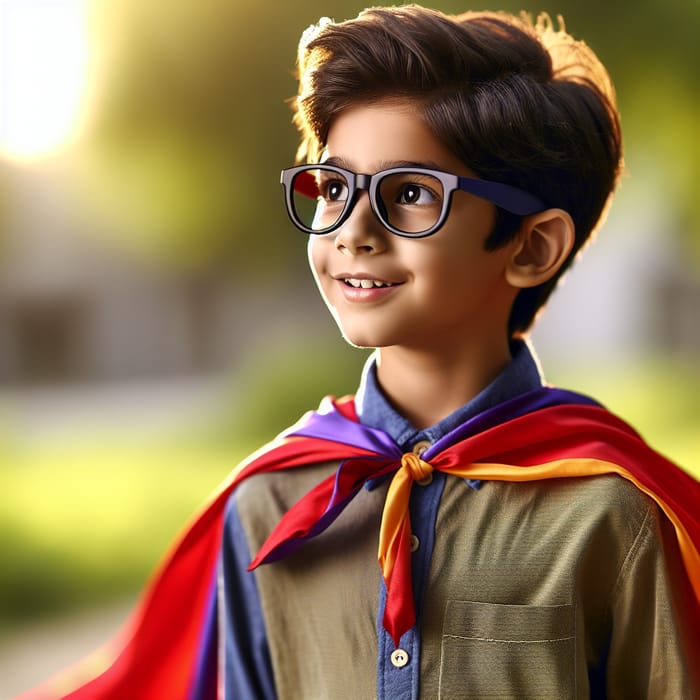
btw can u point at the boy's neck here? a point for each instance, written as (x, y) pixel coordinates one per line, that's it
(425, 387)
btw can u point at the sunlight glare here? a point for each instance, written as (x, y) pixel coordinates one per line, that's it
(43, 72)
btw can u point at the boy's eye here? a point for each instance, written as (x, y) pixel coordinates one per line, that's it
(412, 193)
(333, 190)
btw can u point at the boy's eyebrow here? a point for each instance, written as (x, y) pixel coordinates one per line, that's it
(341, 162)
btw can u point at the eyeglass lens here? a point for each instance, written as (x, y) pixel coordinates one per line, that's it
(411, 202)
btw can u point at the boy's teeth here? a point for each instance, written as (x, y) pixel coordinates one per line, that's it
(366, 284)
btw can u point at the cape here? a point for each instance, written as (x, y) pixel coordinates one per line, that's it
(168, 647)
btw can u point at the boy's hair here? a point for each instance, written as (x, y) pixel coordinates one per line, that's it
(518, 103)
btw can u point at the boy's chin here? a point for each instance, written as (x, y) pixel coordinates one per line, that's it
(361, 338)
(367, 334)
(357, 335)
(360, 343)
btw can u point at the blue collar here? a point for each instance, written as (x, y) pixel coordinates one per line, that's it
(521, 375)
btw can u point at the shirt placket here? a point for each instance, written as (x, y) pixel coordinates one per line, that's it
(399, 667)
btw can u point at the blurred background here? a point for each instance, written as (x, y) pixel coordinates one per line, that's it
(157, 320)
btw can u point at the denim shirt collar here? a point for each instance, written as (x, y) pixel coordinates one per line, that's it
(522, 374)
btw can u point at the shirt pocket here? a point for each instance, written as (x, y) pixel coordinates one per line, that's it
(507, 651)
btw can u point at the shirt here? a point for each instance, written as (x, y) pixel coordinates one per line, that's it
(247, 668)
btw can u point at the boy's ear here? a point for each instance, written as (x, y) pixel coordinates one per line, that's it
(543, 244)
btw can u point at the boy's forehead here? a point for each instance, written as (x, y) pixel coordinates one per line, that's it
(376, 136)
(350, 163)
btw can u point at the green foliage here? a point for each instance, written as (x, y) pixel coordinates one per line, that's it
(281, 384)
(190, 126)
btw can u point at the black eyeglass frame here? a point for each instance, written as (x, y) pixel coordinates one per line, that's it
(508, 197)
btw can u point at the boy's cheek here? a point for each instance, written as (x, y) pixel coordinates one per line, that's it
(314, 251)
(318, 250)
(313, 256)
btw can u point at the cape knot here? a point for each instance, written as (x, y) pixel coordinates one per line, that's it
(417, 468)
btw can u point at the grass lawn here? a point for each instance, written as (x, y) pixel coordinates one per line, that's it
(85, 524)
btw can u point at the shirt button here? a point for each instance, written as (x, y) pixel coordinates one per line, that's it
(415, 543)
(420, 447)
(399, 658)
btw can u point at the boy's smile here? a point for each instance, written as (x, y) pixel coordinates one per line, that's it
(364, 287)
(432, 293)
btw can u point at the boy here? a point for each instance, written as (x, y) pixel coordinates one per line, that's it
(456, 167)
(544, 589)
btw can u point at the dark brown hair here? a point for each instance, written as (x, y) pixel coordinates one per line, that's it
(517, 102)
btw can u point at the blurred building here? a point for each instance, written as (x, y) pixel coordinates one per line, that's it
(77, 306)
(633, 294)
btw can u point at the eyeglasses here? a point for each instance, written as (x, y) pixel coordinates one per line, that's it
(411, 202)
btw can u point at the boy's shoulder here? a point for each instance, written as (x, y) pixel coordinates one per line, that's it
(605, 501)
(263, 499)
(552, 513)
(276, 491)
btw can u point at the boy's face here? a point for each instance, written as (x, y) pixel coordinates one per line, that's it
(445, 290)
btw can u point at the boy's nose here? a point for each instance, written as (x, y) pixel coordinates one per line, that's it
(362, 232)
